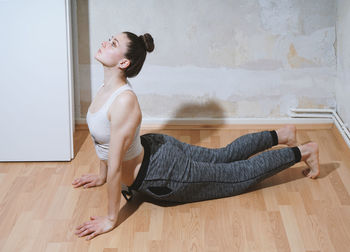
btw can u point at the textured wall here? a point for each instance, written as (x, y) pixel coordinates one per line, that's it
(343, 66)
(217, 59)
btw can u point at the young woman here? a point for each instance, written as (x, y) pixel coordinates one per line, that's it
(159, 165)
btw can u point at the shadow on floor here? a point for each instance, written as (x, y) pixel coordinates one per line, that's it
(79, 138)
(283, 177)
(130, 207)
(289, 175)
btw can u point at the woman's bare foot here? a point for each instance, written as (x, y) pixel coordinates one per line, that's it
(287, 135)
(310, 155)
(89, 180)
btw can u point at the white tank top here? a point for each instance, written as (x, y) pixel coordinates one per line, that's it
(99, 127)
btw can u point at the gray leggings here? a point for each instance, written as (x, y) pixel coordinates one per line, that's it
(179, 172)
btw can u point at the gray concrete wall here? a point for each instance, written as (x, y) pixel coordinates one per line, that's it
(218, 59)
(343, 60)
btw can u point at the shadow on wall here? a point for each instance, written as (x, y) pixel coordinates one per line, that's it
(81, 59)
(194, 111)
(199, 110)
(83, 49)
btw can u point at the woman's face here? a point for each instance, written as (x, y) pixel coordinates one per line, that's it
(111, 52)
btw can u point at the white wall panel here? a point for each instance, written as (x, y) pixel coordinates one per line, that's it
(35, 83)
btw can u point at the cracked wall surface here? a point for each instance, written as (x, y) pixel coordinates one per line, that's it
(217, 59)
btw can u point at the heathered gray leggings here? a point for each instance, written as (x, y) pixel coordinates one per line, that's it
(179, 172)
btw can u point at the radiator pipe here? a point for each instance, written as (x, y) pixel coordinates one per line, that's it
(324, 113)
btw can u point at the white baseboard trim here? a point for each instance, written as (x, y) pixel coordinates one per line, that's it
(198, 121)
(80, 120)
(324, 113)
(298, 116)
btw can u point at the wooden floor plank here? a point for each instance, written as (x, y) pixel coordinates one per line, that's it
(39, 208)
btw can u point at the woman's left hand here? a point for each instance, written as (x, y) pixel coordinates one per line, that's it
(97, 225)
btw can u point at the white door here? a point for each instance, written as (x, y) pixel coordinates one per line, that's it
(36, 104)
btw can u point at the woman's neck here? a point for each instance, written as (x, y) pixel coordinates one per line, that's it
(113, 78)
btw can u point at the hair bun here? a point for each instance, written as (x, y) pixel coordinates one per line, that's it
(148, 41)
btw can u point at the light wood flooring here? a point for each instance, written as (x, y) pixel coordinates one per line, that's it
(39, 208)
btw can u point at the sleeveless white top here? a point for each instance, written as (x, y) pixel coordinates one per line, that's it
(99, 127)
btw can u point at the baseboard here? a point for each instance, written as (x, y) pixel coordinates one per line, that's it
(339, 137)
(324, 113)
(227, 123)
(232, 121)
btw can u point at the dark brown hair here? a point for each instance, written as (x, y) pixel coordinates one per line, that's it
(138, 47)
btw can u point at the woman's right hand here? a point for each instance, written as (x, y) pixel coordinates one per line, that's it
(89, 180)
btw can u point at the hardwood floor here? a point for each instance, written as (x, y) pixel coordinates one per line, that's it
(39, 208)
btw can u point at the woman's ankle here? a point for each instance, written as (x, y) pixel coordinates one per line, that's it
(306, 150)
(287, 135)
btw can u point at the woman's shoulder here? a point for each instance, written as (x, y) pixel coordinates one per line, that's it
(126, 98)
(126, 102)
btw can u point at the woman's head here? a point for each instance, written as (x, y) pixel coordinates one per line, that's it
(138, 46)
(126, 51)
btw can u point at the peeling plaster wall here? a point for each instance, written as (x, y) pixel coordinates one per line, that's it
(218, 59)
(343, 60)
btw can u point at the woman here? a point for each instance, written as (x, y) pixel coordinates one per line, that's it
(159, 165)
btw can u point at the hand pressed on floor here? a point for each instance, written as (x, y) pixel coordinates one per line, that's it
(89, 180)
(96, 226)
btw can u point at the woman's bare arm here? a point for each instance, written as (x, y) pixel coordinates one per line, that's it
(103, 169)
(125, 117)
